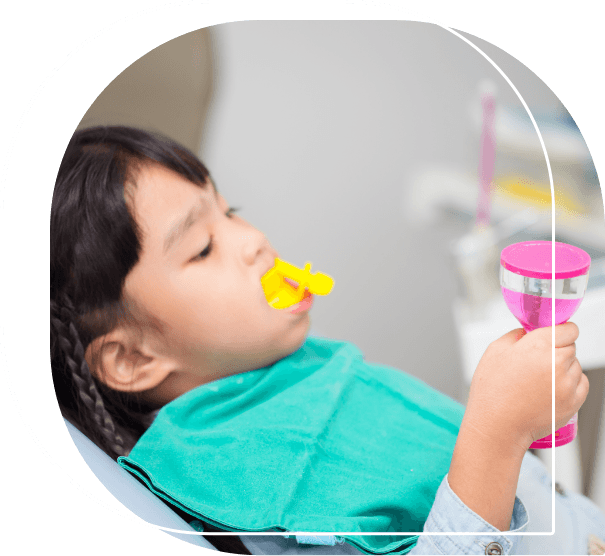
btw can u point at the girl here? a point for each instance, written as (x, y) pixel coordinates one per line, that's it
(166, 353)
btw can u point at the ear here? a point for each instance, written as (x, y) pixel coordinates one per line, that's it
(124, 361)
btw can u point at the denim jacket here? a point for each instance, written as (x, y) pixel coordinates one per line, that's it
(579, 523)
(449, 514)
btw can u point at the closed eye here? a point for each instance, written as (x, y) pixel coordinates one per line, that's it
(208, 249)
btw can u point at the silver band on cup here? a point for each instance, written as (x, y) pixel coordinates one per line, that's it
(566, 288)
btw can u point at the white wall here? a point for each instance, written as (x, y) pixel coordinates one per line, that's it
(316, 129)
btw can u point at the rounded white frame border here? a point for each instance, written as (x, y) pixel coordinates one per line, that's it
(200, 2)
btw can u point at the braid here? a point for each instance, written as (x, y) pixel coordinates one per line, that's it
(68, 340)
(94, 243)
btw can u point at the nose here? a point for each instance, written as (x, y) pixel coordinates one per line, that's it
(256, 247)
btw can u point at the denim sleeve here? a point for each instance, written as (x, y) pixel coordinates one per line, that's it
(450, 515)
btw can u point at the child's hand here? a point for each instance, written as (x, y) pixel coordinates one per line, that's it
(511, 392)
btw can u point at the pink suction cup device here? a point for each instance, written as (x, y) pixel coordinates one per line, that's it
(527, 286)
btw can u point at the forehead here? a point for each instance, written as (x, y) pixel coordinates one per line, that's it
(158, 200)
(160, 196)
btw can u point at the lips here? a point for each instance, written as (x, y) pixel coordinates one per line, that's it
(304, 305)
(295, 285)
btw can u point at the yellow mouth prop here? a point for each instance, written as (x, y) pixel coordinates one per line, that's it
(279, 288)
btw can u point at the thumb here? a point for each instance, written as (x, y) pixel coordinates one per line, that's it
(511, 337)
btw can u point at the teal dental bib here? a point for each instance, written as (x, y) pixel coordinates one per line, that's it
(320, 441)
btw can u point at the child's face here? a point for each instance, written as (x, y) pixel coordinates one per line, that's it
(217, 319)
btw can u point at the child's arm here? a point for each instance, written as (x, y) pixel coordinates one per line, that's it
(509, 407)
(484, 474)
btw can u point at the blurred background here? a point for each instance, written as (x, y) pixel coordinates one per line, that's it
(356, 146)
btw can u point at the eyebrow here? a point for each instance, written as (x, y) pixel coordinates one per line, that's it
(179, 229)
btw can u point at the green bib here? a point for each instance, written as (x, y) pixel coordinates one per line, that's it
(320, 441)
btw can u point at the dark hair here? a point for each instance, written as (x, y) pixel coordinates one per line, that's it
(94, 243)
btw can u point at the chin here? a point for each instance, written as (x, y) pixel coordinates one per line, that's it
(296, 340)
(303, 337)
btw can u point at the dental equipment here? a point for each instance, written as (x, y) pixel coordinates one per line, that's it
(285, 284)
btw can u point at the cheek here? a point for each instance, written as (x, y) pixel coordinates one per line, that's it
(163, 300)
(202, 304)
(195, 305)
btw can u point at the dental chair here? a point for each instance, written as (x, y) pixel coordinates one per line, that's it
(142, 502)
(130, 492)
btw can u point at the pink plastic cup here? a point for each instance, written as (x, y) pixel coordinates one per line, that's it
(527, 286)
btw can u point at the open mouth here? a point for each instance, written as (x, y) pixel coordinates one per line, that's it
(295, 285)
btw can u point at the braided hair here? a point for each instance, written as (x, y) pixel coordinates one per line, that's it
(94, 243)
(71, 348)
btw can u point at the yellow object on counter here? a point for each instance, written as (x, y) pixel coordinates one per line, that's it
(280, 294)
(537, 193)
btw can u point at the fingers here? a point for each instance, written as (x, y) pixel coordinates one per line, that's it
(578, 385)
(565, 334)
(575, 372)
(581, 391)
(511, 337)
(565, 356)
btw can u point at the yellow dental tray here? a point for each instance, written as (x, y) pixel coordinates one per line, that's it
(280, 294)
